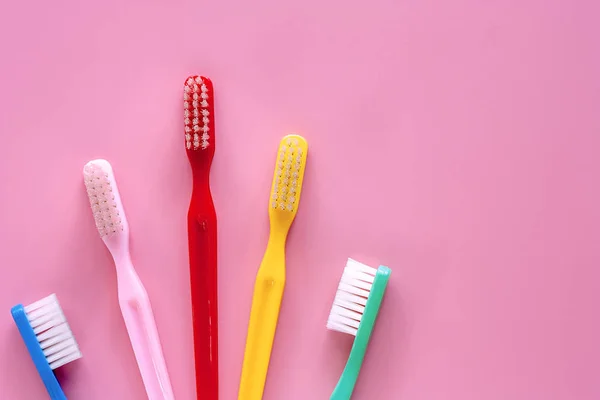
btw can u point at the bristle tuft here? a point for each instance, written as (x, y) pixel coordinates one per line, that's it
(102, 199)
(288, 171)
(197, 107)
(351, 297)
(53, 331)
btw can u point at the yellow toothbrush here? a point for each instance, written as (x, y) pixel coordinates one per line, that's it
(270, 280)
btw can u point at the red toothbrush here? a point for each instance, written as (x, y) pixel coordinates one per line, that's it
(199, 120)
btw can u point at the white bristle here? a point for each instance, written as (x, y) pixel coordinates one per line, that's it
(102, 195)
(351, 297)
(52, 331)
(285, 170)
(198, 107)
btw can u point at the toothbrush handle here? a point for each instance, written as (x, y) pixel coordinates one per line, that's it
(139, 320)
(345, 386)
(202, 235)
(266, 301)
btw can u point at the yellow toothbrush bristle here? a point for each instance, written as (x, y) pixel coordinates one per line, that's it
(289, 173)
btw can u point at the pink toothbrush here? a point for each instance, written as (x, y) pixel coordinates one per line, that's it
(133, 299)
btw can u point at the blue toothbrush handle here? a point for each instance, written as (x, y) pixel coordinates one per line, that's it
(37, 355)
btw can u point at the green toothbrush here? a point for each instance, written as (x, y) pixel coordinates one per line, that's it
(354, 312)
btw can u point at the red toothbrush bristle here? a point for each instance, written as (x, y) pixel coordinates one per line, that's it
(198, 114)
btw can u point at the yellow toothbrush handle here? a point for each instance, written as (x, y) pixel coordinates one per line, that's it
(266, 301)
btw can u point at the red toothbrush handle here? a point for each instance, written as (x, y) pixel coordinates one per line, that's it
(202, 233)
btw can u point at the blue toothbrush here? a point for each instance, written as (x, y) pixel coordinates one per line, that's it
(48, 338)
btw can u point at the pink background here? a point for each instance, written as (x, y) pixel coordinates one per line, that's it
(454, 141)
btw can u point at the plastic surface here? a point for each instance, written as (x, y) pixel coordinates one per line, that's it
(37, 355)
(270, 283)
(266, 301)
(202, 239)
(139, 320)
(135, 304)
(347, 382)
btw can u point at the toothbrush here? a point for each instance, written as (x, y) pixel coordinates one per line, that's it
(48, 338)
(270, 280)
(354, 312)
(135, 306)
(199, 131)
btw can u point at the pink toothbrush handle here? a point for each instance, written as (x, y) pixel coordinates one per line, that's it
(143, 334)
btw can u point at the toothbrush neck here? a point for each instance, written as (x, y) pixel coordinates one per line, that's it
(277, 238)
(123, 261)
(200, 179)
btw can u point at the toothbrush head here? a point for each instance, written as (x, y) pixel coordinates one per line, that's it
(288, 178)
(51, 330)
(358, 297)
(199, 118)
(105, 201)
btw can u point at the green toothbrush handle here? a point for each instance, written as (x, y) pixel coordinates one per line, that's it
(345, 386)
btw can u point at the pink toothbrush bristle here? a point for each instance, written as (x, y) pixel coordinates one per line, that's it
(102, 199)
